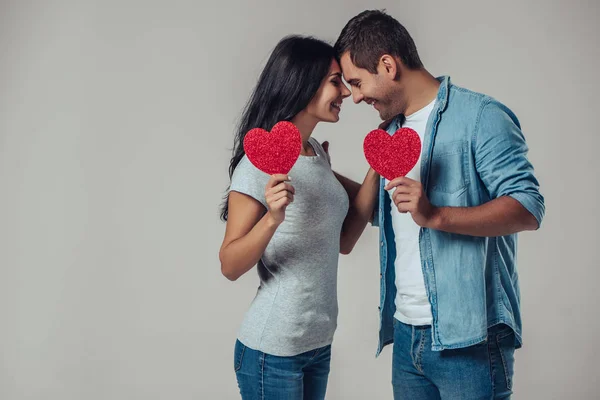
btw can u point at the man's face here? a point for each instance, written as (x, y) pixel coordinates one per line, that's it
(376, 90)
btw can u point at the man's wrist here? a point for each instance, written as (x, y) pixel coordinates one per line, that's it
(436, 218)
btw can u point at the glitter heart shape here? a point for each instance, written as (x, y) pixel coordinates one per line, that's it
(274, 152)
(392, 156)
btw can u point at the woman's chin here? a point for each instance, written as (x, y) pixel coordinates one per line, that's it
(330, 118)
(335, 116)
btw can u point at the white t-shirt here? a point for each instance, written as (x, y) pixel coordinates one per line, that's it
(412, 304)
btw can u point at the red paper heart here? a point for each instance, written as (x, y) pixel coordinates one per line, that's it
(274, 152)
(392, 156)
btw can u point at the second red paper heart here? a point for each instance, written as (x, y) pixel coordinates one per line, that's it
(392, 156)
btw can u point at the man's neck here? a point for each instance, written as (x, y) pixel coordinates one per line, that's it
(421, 88)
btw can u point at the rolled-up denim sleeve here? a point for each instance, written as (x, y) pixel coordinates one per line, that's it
(501, 159)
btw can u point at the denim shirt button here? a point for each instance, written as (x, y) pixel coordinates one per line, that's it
(381, 244)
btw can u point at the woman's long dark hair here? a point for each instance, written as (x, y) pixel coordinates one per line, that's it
(289, 81)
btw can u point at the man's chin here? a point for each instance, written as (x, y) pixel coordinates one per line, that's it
(384, 115)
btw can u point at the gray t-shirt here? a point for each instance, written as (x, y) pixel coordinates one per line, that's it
(295, 309)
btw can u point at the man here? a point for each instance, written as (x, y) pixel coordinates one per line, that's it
(448, 230)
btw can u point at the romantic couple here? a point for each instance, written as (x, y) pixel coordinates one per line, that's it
(448, 230)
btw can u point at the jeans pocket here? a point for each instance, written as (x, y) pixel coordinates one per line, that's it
(238, 355)
(506, 348)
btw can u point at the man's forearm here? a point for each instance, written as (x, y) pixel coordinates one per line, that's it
(499, 217)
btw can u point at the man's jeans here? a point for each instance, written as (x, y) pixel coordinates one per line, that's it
(483, 371)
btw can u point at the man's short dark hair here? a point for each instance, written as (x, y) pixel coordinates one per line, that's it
(372, 34)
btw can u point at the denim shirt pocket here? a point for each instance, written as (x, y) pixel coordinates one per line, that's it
(449, 173)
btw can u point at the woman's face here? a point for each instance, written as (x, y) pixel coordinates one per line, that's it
(326, 104)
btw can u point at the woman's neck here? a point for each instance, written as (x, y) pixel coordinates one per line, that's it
(305, 124)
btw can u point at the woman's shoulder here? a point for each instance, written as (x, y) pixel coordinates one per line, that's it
(246, 170)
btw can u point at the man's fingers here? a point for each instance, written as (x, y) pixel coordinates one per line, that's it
(403, 189)
(403, 208)
(400, 181)
(403, 198)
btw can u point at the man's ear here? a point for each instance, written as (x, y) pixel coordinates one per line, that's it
(388, 66)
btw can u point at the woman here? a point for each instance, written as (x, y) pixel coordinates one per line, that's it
(292, 227)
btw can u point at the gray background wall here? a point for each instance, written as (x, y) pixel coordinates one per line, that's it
(116, 120)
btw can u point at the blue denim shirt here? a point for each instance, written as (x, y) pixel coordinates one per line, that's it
(473, 152)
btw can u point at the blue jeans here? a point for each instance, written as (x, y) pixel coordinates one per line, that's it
(483, 371)
(263, 376)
